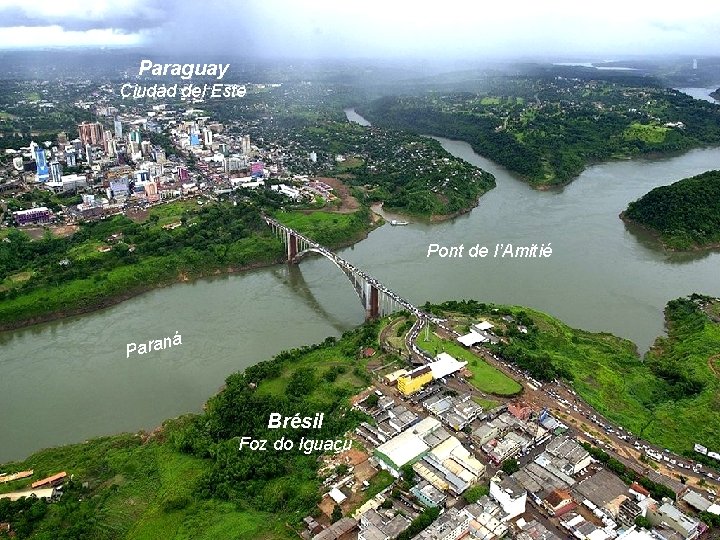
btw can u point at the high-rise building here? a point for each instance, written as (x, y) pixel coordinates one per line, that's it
(42, 173)
(107, 138)
(70, 159)
(246, 144)
(91, 133)
(207, 137)
(145, 148)
(55, 172)
(257, 169)
(62, 138)
(135, 136)
(89, 154)
(118, 128)
(142, 176)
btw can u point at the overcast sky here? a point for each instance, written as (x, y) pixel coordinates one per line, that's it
(370, 28)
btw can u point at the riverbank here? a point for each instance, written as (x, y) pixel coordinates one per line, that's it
(144, 485)
(191, 470)
(684, 216)
(530, 137)
(658, 236)
(379, 210)
(97, 296)
(127, 295)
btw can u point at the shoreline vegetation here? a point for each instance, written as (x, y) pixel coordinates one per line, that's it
(683, 216)
(189, 476)
(549, 131)
(233, 241)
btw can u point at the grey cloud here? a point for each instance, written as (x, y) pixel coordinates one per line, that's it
(151, 15)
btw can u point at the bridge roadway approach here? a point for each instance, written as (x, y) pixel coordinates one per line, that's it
(376, 298)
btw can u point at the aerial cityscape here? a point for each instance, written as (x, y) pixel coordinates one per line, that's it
(276, 270)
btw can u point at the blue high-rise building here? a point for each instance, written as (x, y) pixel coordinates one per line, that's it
(43, 172)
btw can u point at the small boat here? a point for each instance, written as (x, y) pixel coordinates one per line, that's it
(395, 222)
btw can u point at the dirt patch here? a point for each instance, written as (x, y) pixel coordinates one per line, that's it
(364, 471)
(327, 505)
(64, 230)
(36, 233)
(138, 215)
(353, 457)
(714, 364)
(349, 203)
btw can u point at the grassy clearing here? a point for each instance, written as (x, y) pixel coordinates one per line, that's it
(648, 133)
(485, 377)
(349, 164)
(327, 228)
(486, 404)
(489, 100)
(321, 362)
(174, 211)
(377, 483)
(15, 280)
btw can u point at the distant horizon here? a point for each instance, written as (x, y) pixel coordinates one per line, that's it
(594, 58)
(374, 29)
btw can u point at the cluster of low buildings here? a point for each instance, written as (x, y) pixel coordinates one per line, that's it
(558, 491)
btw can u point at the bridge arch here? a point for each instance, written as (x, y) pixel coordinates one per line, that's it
(377, 299)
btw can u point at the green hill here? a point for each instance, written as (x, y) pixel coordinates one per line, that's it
(685, 214)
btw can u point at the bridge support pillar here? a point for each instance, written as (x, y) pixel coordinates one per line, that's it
(292, 247)
(372, 310)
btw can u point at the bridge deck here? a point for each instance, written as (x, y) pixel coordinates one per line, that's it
(349, 268)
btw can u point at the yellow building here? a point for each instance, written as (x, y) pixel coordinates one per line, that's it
(415, 380)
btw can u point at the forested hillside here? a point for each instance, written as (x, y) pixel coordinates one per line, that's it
(685, 214)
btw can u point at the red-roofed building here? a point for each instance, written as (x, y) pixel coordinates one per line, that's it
(50, 480)
(637, 488)
(558, 502)
(520, 410)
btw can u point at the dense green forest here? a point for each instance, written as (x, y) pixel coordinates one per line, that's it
(114, 258)
(192, 478)
(549, 129)
(406, 172)
(685, 214)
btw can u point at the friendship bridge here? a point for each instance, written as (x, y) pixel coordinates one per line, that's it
(376, 298)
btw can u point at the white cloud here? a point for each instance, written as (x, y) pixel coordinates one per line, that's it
(54, 36)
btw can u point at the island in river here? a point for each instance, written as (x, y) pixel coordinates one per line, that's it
(684, 215)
